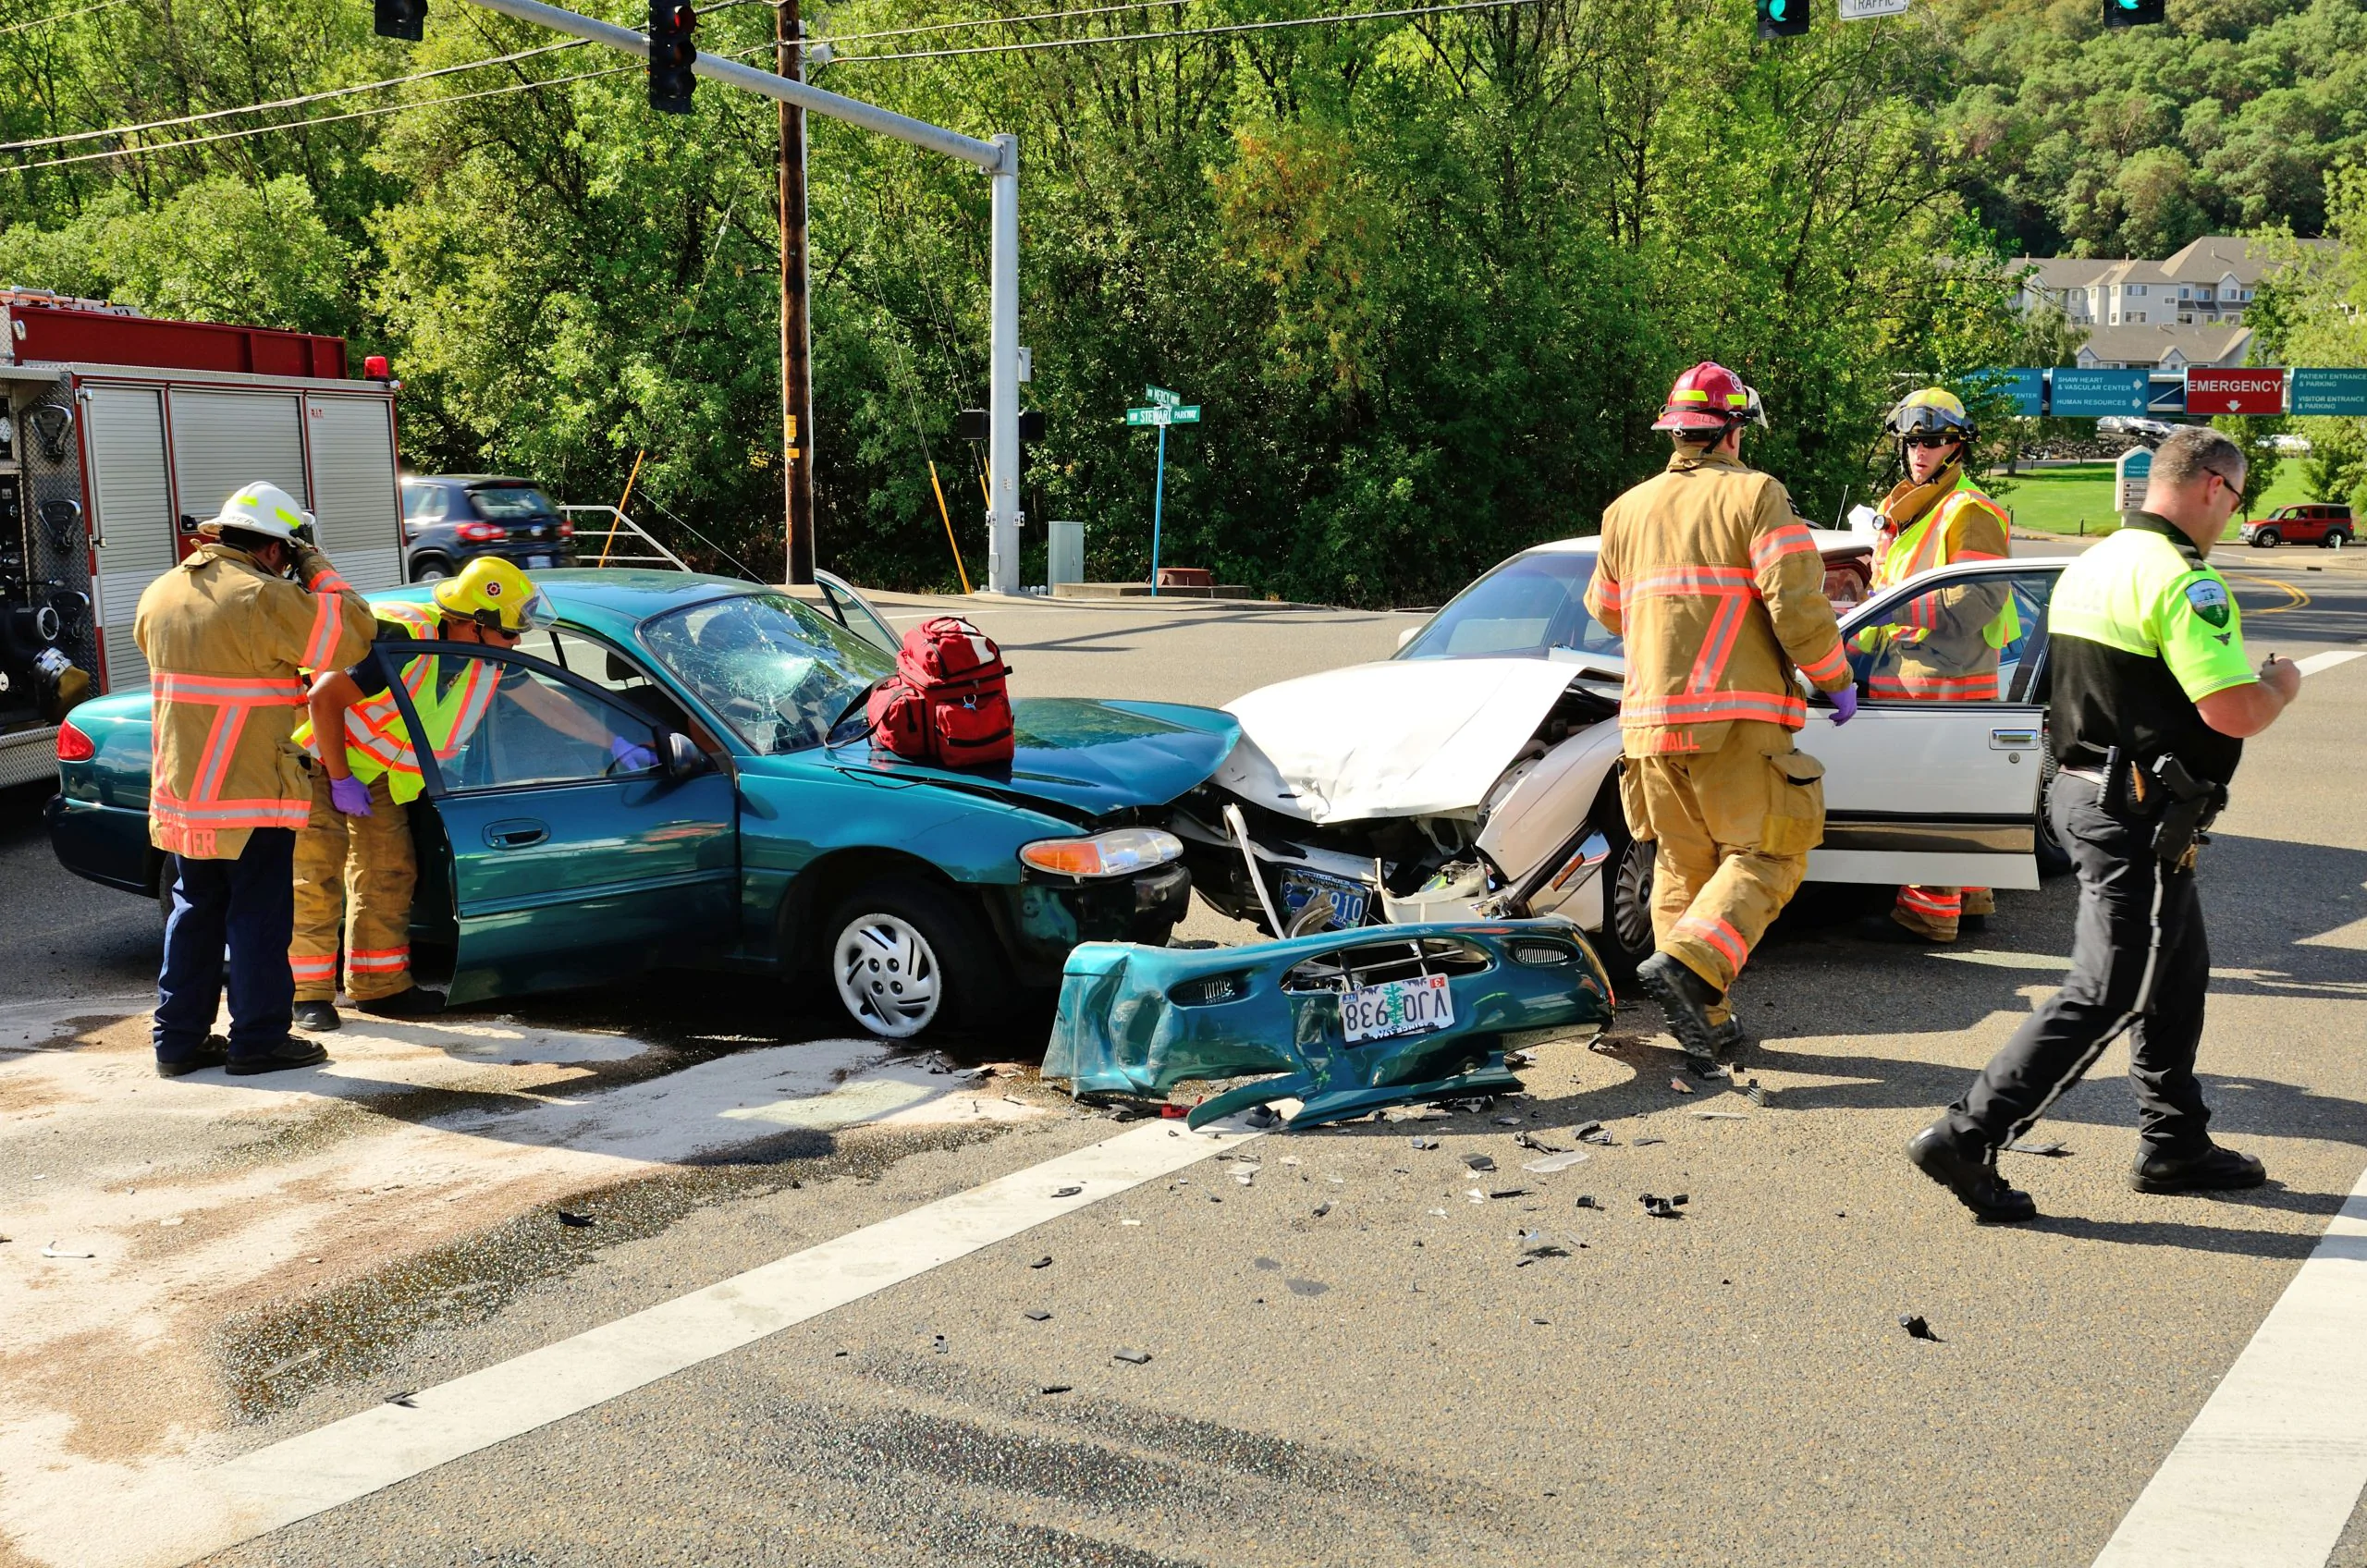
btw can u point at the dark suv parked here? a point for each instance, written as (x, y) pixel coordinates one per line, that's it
(451, 519)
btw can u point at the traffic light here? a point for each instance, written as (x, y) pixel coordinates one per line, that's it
(671, 50)
(2134, 13)
(1789, 19)
(399, 19)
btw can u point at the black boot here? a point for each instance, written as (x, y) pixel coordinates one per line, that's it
(1684, 999)
(289, 1053)
(214, 1052)
(317, 1017)
(412, 1001)
(2214, 1170)
(1970, 1172)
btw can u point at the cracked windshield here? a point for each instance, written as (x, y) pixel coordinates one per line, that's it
(1531, 605)
(777, 672)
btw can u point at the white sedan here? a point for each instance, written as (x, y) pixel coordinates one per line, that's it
(1474, 774)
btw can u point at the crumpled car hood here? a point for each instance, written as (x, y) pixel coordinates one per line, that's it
(1400, 737)
(1094, 758)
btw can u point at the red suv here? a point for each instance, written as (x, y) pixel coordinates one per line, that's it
(2327, 525)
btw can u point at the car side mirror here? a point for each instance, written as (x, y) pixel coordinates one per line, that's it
(1408, 635)
(683, 758)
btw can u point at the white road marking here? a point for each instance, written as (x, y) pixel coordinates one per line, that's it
(2317, 663)
(2269, 1473)
(165, 1520)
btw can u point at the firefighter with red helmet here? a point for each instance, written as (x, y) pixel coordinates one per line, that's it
(1717, 591)
(1946, 647)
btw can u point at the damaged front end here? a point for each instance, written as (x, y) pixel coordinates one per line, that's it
(1345, 1023)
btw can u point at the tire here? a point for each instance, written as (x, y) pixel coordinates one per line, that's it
(2267, 539)
(905, 958)
(2053, 856)
(2337, 539)
(1625, 939)
(430, 568)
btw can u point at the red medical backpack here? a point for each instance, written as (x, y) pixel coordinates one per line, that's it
(949, 704)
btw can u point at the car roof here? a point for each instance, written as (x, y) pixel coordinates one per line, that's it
(615, 600)
(471, 480)
(1827, 539)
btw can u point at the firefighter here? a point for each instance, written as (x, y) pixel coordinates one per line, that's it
(1946, 649)
(225, 633)
(355, 867)
(2153, 698)
(1719, 592)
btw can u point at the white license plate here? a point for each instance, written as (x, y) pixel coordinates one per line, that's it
(1396, 1007)
(538, 562)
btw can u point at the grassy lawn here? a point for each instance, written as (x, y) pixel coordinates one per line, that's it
(2057, 500)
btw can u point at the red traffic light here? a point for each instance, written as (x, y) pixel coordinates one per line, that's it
(672, 53)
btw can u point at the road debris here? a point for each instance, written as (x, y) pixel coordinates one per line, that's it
(1132, 1357)
(53, 1250)
(1066, 1192)
(1641, 1143)
(579, 1221)
(1680, 1085)
(1753, 1093)
(1532, 1142)
(1037, 1315)
(1660, 1208)
(1551, 1163)
(1586, 1200)
(1509, 1193)
(1041, 1263)
(1537, 1244)
(1322, 1208)
(407, 1403)
(1438, 1213)
(1479, 1162)
(1245, 1177)
(938, 1340)
(2052, 1148)
(1722, 1116)
(1916, 1329)
(1474, 1194)
(1261, 1116)
(1055, 1388)
(1506, 1120)
(1593, 1133)
(1428, 1143)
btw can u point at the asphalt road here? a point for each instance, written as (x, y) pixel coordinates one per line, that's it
(1377, 1381)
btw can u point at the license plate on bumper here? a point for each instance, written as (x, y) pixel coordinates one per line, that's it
(1349, 900)
(1396, 1007)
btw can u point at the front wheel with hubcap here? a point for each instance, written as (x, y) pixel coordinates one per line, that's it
(905, 957)
(1625, 939)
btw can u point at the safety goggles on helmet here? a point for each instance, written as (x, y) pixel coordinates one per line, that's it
(1932, 411)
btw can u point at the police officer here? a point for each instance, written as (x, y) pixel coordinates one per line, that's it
(1718, 592)
(2153, 698)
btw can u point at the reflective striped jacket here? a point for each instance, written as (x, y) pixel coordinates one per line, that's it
(229, 644)
(1717, 591)
(376, 739)
(1946, 649)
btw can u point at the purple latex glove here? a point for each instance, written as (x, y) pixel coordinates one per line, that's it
(1844, 705)
(631, 758)
(349, 795)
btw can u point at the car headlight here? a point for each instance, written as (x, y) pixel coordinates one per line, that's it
(1120, 852)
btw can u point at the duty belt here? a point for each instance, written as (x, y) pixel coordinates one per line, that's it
(2187, 805)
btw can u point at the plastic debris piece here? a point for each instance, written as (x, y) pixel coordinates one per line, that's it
(1506, 1120)
(53, 1250)
(2051, 1146)
(1660, 1208)
(1509, 1193)
(1438, 1213)
(1756, 1094)
(1474, 1194)
(1680, 1199)
(407, 1403)
(939, 1341)
(1245, 1177)
(1261, 1116)
(1519, 1058)
(1722, 1116)
(1680, 1085)
(1642, 1142)
(1535, 1243)
(1041, 1263)
(1551, 1163)
(1322, 1208)
(1428, 1143)
(1479, 1162)
(1531, 1141)
(1586, 1200)
(1066, 1192)
(1055, 1388)
(1916, 1329)
(1132, 1357)
(577, 1222)
(1174, 1112)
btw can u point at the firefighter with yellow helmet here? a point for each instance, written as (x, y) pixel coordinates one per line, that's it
(355, 869)
(1946, 647)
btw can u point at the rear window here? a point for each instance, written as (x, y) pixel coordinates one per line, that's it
(501, 503)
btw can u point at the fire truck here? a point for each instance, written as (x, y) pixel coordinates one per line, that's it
(119, 434)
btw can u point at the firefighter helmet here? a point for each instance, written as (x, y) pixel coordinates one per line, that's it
(495, 595)
(263, 507)
(1708, 397)
(1934, 411)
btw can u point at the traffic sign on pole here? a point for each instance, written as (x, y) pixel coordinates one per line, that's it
(1146, 416)
(2025, 388)
(1163, 396)
(1866, 10)
(2216, 390)
(1187, 413)
(2329, 391)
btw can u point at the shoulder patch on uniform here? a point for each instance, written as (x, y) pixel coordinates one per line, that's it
(2208, 596)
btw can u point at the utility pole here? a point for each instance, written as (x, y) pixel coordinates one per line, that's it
(796, 321)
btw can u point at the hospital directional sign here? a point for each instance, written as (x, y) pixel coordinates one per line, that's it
(2092, 394)
(2025, 388)
(2329, 391)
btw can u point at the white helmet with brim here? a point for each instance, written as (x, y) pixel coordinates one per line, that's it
(261, 508)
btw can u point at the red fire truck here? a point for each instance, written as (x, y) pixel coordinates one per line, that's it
(119, 431)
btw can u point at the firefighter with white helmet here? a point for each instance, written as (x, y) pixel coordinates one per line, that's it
(1946, 647)
(1717, 591)
(228, 635)
(355, 868)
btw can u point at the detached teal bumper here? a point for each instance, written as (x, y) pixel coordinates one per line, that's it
(1140, 1019)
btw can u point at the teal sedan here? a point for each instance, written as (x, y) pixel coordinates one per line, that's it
(769, 835)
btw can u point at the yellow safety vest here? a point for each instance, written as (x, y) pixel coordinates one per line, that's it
(1923, 544)
(376, 741)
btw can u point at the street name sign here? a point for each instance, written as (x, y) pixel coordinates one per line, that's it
(1163, 396)
(2329, 391)
(2216, 389)
(1867, 10)
(2092, 394)
(1146, 416)
(1187, 413)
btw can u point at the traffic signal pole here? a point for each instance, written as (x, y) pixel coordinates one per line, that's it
(998, 158)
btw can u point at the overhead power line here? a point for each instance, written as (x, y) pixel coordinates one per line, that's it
(60, 17)
(1166, 35)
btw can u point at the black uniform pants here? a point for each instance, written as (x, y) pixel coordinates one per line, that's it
(2118, 876)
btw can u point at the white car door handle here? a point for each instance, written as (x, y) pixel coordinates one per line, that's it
(2013, 739)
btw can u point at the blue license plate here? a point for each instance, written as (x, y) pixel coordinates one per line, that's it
(1348, 898)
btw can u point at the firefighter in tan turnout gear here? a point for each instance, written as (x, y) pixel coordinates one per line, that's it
(225, 634)
(1718, 592)
(1946, 648)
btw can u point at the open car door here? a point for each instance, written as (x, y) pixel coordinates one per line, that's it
(576, 859)
(1942, 793)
